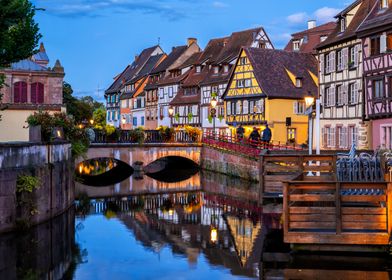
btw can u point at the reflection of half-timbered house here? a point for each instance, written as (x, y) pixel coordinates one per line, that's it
(220, 68)
(169, 85)
(376, 34)
(269, 86)
(341, 90)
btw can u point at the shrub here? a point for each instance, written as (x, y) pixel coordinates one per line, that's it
(109, 129)
(193, 132)
(166, 133)
(137, 135)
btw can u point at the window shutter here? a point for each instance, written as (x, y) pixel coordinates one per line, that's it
(345, 58)
(383, 43)
(345, 93)
(332, 95)
(17, 90)
(321, 59)
(33, 96)
(333, 137)
(345, 137)
(356, 54)
(324, 135)
(333, 61)
(40, 93)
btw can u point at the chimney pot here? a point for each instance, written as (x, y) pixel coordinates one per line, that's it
(311, 24)
(190, 41)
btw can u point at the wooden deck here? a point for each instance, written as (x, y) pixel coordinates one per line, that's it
(330, 212)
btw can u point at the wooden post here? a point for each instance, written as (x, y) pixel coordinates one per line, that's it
(389, 206)
(261, 177)
(338, 209)
(286, 210)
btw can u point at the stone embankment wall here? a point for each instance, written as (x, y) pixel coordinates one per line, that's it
(230, 164)
(52, 164)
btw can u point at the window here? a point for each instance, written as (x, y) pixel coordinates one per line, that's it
(134, 121)
(296, 45)
(329, 137)
(354, 52)
(342, 24)
(20, 92)
(291, 135)
(386, 137)
(170, 89)
(161, 93)
(389, 42)
(233, 108)
(353, 92)
(228, 108)
(339, 95)
(330, 62)
(330, 96)
(216, 70)
(243, 60)
(190, 91)
(383, 4)
(342, 136)
(298, 82)
(378, 88)
(37, 93)
(299, 107)
(323, 38)
(239, 108)
(226, 68)
(244, 83)
(305, 39)
(340, 60)
(375, 46)
(142, 121)
(198, 69)
(352, 135)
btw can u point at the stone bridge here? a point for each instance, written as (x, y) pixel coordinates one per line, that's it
(147, 153)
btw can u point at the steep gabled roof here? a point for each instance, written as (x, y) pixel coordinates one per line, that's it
(337, 36)
(312, 35)
(147, 68)
(213, 49)
(27, 65)
(271, 67)
(170, 59)
(131, 70)
(192, 60)
(380, 19)
(168, 79)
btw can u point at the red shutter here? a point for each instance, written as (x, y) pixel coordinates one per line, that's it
(17, 89)
(34, 88)
(40, 93)
(23, 95)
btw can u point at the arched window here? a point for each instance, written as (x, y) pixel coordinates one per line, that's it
(20, 92)
(37, 93)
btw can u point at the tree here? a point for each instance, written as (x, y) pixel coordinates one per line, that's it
(99, 117)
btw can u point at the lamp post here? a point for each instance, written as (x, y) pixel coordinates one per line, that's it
(214, 102)
(310, 101)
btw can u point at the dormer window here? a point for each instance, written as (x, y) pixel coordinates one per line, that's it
(298, 82)
(226, 68)
(323, 38)
(198, 69)
(216, 70)
(296, 45)
(342, 24)
(383, 4)
(305, 40)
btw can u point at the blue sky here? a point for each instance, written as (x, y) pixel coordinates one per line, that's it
(96, 39)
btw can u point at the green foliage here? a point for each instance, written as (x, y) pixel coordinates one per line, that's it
(109, 129)
(19, 34)
(214, 95)
(193, 132)
(177, 117)
(167, 133)
(220, 118)
(209, 118)
(190, 116)
(27, 183)
(99, 117)
(137, 135)
(79, 149)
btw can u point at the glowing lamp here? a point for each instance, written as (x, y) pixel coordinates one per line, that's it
(214, 102)
(80, 168)
(91, 121)
(171, 111)
(123, 120)
(309, 100)
(171, 212)
(214, 235)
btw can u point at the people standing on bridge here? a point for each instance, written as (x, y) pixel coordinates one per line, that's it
(266, 138)
(254, 137)
(240, 133)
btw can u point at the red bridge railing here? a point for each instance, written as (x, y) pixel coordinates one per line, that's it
(244, 146)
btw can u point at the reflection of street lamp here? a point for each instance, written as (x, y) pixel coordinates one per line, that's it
(214, 102)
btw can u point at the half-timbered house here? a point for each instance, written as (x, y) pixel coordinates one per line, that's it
(376, 34)
(269, 87)
(220, 68)
(169, 85)
(113, 93)
(340, 77)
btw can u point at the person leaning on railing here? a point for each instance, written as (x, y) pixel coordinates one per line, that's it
(267, 135)
(254, 137)
(240, 133)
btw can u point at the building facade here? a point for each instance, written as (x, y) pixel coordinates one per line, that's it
(30, 86)
(269, 87)
(340, 78)
(376, 35)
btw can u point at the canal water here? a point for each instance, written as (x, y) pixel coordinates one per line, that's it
(202, 226)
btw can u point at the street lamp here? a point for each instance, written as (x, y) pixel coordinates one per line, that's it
(213, 102)
(171, 113)
(309, 102)
(91, 121)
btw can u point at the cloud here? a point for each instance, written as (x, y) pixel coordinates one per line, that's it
(171, 10)
(219, 5)
(297, 18)
(325, 14)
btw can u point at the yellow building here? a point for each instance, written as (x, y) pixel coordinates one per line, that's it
(269, 87)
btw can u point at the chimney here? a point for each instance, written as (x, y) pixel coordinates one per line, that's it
(311, 24)
(190, 41)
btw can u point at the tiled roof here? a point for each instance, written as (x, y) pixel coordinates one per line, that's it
(147, 68)
(270, 72)
(181, 99)
(236, 41)
(378, 18)
(193, 59)
(170, 59)
(27, 65)
(213, 49)
(131, 70)
(193, 78)
(168, 79)
(313, 37)
(220, 77)
(41, 56)
(336, 36)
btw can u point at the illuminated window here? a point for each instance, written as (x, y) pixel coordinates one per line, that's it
(383, 4)
(198, 69)
(298, 82)
(291, 134)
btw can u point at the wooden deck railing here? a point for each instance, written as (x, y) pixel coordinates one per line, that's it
(331, 212)
(276, 169)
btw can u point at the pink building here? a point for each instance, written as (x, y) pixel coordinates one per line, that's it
(376, 34)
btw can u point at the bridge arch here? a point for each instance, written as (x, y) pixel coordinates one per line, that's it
(146, 154)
